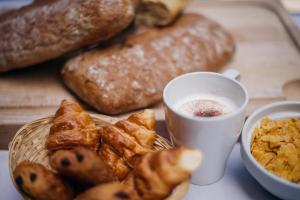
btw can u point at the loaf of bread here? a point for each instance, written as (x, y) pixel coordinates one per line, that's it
(159, 12)
(132, 73)
(47, 29)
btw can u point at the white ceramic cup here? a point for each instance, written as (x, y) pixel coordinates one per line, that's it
(214, 136)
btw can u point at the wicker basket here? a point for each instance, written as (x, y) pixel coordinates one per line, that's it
(29, 144)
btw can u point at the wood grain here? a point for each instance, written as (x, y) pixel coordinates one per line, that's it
(267, 56)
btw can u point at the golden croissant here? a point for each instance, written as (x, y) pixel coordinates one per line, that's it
(160, 172)
(127, 139)
(72, 126)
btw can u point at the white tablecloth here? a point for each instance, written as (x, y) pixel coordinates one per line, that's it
(237, 184)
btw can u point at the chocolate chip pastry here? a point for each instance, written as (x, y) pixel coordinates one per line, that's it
(82, 165)
(40, 183)
(109, 191)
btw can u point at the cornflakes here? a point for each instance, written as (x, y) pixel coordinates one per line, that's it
(276, 146)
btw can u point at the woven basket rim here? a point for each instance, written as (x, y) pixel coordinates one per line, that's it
(47, 119)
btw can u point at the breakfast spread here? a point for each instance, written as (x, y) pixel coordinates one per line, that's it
(205, 105)
(276, 146)
(121, 159)
(120, 55)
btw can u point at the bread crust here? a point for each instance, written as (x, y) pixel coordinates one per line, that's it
(47, 29)
(132, 73)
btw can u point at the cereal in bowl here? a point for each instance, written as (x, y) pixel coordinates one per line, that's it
(276, 146)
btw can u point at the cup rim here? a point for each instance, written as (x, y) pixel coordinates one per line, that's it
(245, 144)
(211, 119)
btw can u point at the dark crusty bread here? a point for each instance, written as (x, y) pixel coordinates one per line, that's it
(47, 29)
(132, 73)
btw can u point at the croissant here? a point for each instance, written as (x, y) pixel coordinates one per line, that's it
(117, 164)
(72, 126)
(40, 183)
(127, 139)
(160, 172)
(82, 165)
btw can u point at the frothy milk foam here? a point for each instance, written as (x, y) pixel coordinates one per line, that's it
(205, 105)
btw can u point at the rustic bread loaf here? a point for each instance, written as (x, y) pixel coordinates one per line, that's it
(48, 29)
(132, 73)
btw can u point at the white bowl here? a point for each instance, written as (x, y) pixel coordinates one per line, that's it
(274, 184)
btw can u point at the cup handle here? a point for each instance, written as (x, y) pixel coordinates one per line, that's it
(232, 73)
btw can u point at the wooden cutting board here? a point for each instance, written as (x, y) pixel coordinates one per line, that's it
(267, 55)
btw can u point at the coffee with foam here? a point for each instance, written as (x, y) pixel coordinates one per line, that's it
(205, 105)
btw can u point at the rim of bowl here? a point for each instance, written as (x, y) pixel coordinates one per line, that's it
(212, 119)
(246, 144)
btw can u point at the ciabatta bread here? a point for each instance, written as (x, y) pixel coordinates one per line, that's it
(132, 73)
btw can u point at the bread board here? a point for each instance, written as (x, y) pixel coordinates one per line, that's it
(267, 55)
